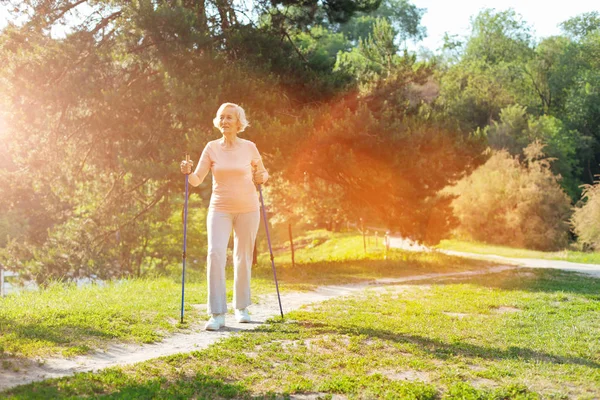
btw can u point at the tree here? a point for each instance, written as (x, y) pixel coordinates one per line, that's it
(490, 74)
(388, 173)
(498, 37)
(403, 17)
(516, 130)
(570, 78)
(309, 201)
(472, 94)
(375, 57)
(96, 121)
(304, 12)
(341, 51)
(582, 25)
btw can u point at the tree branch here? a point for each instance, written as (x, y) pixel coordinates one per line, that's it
(102, 238)
(294, 46)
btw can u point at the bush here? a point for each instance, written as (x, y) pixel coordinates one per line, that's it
(514, 203)
(586, 219)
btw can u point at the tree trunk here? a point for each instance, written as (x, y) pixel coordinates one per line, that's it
(225, 11)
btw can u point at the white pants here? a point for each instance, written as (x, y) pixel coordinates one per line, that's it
(219, 226)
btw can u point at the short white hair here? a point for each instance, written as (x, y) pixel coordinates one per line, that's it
(241, 116)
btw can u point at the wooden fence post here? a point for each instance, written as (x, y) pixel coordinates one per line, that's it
(362, 227)
(291, 244)
(387, 245)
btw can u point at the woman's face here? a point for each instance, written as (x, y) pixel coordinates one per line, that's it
(228, 121)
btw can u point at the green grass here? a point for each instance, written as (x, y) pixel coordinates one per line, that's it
(67, 320)
(342, 260)
(70, 320)
(482, 248)
(521, 334)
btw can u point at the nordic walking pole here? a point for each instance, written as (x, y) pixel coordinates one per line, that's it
(185, 207)
(264, 212)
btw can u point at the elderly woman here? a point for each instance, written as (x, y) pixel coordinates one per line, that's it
(236, 167)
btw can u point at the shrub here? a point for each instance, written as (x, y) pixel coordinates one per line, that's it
(586, 219)
(509, 202)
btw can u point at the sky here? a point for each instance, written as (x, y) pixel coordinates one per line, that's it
(454, 16)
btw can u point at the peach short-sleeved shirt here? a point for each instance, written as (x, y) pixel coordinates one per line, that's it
(233, 190)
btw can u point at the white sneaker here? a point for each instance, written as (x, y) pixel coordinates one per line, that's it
(215, 322)
(242, 316)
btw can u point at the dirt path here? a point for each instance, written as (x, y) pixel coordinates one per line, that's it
(195, 338)
(589, 269)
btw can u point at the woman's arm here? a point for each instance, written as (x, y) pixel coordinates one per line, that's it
(196, 177)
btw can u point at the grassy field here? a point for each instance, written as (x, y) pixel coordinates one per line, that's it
(67, 320)
(482, 248)
(520, 334)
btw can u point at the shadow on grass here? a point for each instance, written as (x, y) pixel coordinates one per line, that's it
(443, 350)
(116, 384)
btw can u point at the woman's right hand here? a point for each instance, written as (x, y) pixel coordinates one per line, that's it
(186, 167)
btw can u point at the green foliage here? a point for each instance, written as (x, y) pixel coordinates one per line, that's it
(473, 93)
(320, 47)
(375, 63)
(404, 17)
(551, 72)
(583, 103)
(163, 241)
(299, 66)
(564, 76)
(354, 47)
(499, 67)
(518, 204)
(94, 122)
(374, 162)
(375, 56)
(582, 25)
(96, 172)
(313, 202)
(490, 73)
(337, 11)
(498, 37)
(517, 130)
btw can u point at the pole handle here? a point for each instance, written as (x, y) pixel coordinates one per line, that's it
(187, 160)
